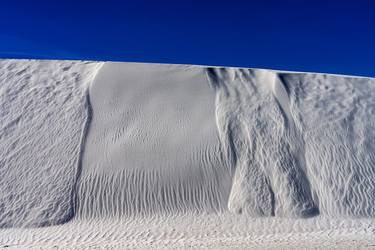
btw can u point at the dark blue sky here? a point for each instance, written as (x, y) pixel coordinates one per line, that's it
(329, 36)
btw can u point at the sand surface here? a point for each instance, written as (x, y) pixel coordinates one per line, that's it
(156, 156)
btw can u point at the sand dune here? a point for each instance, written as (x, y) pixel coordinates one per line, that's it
(95, 152)
(43, 113)
(152, 146)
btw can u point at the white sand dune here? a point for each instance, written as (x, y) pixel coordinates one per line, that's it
(127, 155)
(43, 113)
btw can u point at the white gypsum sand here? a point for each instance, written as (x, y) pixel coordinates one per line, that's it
(138, 156)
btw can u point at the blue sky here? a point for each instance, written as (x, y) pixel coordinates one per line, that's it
(329, 36)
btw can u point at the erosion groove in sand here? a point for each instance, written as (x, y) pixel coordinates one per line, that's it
(258, 133)
(307, 136)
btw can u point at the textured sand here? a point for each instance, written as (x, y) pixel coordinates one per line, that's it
(140, 156)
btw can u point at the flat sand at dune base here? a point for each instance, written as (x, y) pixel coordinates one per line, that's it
(197, 232)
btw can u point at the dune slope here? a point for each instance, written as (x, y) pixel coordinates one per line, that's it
(172, 139)
(42, 115)
(90, 141)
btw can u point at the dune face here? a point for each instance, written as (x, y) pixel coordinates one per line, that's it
(152, 146)
(43, 114)
(257, 130)
(301, 143)
(85, 141)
